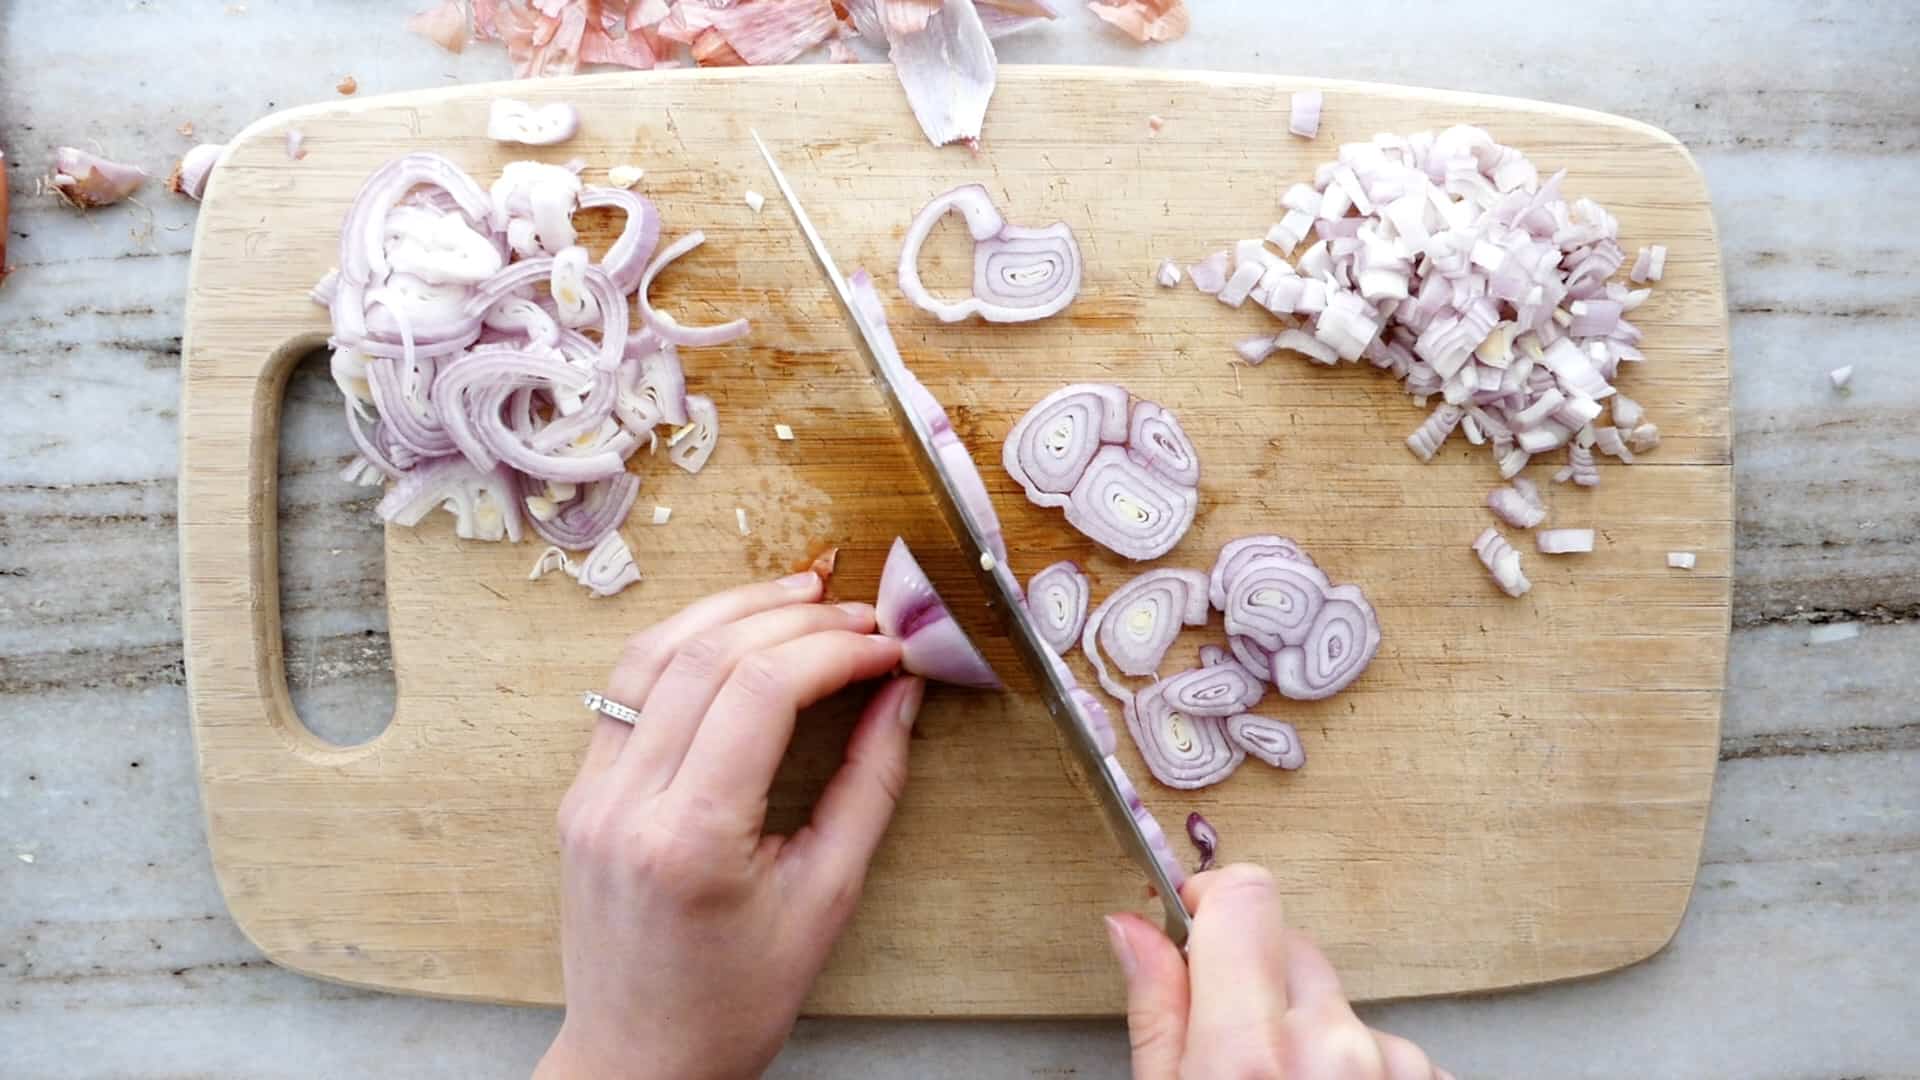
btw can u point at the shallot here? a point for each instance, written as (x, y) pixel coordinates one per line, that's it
(1058, 598)
(1272, 741)
(1303, 115)
(1502, 561)
(1127, 477)
(932, 644)
(1019, 274)
(1444, 259)
(189, 177)
(1181, 751)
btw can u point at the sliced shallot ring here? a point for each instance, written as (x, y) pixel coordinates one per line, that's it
(1275, 601)
(1181, 751)
(1220, 691)
(1155, 434)
(1147, 614)
(664, 324)
(1058, 598)
(1019, 274)
(1338, 647)
(1127, 507)
(1051, 444)
(1236, 555)
(1272, 741)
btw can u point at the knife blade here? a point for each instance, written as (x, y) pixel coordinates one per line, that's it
(893, 379)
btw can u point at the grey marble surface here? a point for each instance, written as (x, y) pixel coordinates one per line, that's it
(1800, 953)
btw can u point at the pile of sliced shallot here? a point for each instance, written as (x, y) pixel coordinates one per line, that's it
(491, 366)
(1286, 623)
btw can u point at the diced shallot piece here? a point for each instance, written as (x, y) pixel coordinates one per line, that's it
(1563, 541)
(1303, 113)
(1502, 561)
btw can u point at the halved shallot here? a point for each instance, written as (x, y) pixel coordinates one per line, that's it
(932, 644)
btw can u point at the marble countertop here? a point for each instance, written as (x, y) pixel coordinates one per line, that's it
(1800, 952)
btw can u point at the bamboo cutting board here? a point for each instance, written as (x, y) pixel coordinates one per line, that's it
(1515, 792)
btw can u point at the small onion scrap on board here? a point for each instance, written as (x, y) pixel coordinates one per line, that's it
(1127, 477)
(1206, 840)
(1444, 259)
(490, 367)
(932, 644)
(1020, 274)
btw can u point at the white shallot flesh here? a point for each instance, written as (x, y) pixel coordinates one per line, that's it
(511, 121)
(609, 567)
(1841, 376)
(1680, 560)
(1019, 274)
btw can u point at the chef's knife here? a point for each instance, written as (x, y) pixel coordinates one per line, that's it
(890, 375)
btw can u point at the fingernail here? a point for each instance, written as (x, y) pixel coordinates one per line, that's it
(910, 698)
(1123, 952)
(803, 582)
(856, 609)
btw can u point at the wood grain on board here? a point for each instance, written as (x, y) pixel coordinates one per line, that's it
(1514, 793)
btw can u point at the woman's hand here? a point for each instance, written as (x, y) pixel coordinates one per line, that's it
(689, 939)
(1252, 999)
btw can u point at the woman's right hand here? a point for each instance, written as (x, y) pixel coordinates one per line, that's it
(1251, 999)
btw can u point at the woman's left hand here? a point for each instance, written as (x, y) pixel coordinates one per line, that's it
(689, 939)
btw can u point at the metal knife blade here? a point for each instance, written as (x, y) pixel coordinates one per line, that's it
(996, 581)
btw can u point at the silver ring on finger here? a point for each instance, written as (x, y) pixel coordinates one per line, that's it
(611, 709)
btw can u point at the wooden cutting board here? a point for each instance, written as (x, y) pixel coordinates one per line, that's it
(1515, 792)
